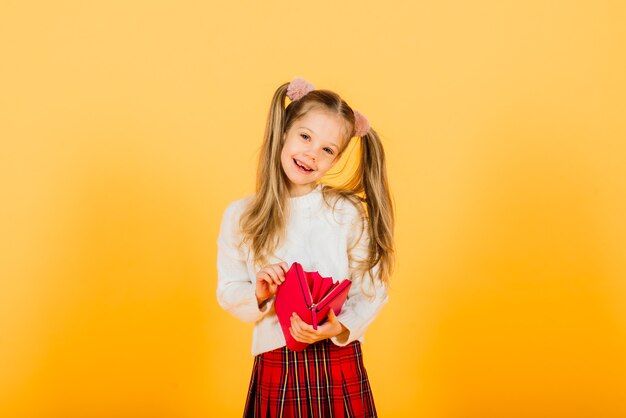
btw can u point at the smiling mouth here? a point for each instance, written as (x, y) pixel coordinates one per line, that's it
(301, 167)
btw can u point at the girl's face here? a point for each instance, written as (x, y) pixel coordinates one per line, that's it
(310, 148)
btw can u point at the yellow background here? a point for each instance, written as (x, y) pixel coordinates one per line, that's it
(126, 128)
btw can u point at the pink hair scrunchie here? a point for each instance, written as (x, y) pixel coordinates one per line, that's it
(298, 88)
(361, 124)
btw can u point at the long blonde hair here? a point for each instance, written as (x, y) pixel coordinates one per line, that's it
(263, 221)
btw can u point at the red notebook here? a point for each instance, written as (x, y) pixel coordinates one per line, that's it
(309, 295)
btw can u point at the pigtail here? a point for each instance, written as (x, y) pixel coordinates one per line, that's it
(262, 222)
(370, 180)
(269, 172)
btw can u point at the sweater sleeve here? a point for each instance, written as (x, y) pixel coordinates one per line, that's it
(365, 300)
(235, 290)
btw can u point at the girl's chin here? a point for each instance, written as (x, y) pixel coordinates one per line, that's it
(301, 186)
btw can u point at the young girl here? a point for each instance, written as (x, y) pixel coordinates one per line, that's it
(343, 233)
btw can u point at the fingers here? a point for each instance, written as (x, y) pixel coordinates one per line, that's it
(273, 273)
(279, 273)
(269, 278)
(298, 324)
(303, 332)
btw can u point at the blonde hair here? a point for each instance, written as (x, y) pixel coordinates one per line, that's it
(263, 221)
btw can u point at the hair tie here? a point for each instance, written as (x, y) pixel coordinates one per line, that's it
(361, 124)
(298, 88)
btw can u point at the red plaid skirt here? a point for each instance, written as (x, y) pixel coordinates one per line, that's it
(323, 380)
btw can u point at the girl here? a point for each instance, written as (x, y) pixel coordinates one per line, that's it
(344, 232)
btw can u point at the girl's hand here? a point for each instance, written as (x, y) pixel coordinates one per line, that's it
(268, 279)
(304, 333)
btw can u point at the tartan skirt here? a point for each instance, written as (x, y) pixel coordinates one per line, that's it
(323, 380)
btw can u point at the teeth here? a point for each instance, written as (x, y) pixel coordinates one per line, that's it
(307, 169)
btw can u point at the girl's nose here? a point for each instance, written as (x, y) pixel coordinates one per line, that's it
(311, 153)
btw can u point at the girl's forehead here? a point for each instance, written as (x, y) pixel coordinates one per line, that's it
(317, 113)
(319, 117)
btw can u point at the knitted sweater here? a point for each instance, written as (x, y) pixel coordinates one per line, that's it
(317, 238)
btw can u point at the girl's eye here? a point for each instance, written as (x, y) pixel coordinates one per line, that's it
(328, 150)
(305, 136)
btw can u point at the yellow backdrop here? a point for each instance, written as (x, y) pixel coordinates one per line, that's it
(126, 128)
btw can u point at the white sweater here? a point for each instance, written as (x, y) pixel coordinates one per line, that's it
(318, 239)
